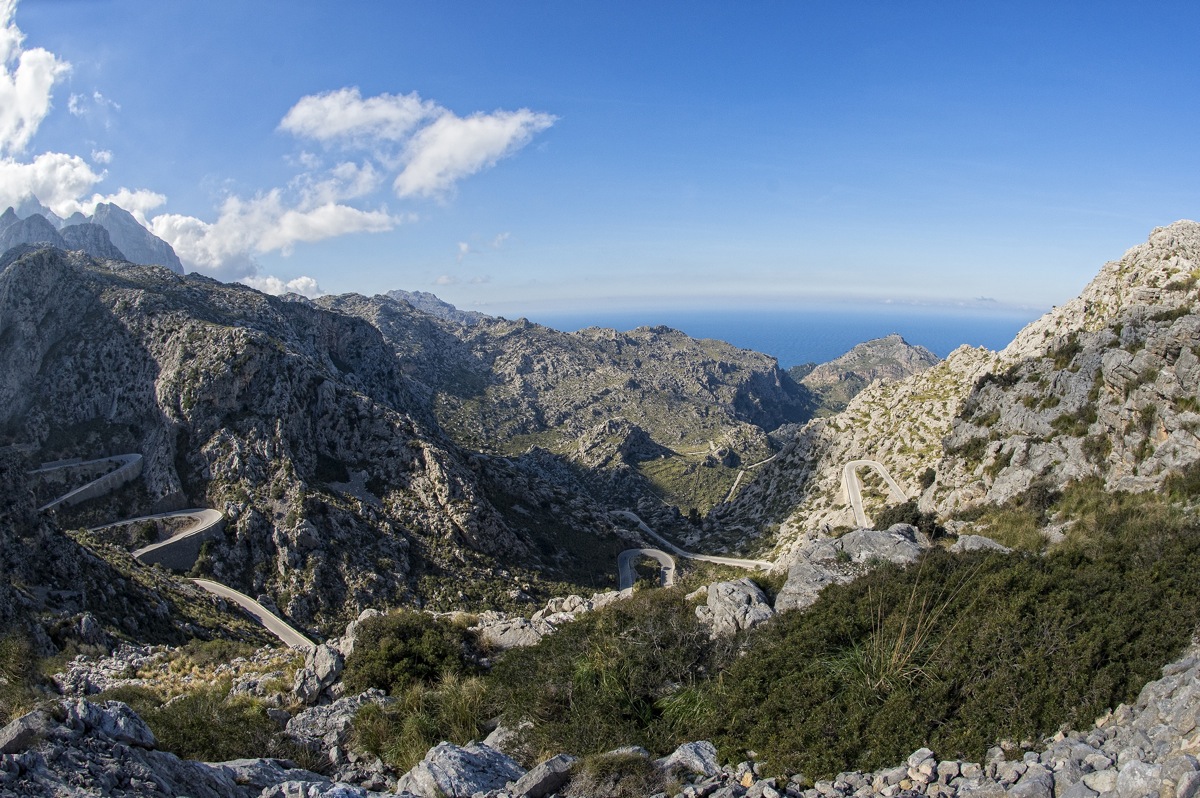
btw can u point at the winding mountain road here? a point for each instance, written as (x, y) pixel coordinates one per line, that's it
(755, 565)
(627, 559)
(852, 488)
(272, 622)
(180, 551)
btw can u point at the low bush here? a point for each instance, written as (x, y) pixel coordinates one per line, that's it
(964, 651)
(403, 648)
(908, 513)
(208, 724)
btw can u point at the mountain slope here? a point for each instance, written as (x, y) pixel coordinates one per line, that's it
(1104, 386)
(296, 422)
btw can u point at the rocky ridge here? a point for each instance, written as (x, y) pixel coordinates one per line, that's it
(110, 232)
(1105, 387)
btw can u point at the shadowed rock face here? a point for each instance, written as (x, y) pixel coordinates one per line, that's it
(295, 422)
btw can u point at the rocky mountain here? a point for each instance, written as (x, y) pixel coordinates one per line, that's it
(837, 382)
(1104, 387)
(431, 304)
(138, 243)
(646, 414)
(110, 232)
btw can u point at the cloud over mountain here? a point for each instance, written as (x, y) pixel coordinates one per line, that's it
(418, 146)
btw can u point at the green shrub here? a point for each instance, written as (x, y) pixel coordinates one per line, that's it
(1097, 448)
(394, 651)
(1075, 423)
(1058, 639)
(606, 679)
(1065, 354)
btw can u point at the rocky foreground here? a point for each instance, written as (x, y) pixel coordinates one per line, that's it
(76, 747)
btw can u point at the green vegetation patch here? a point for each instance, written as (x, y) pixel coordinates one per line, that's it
(395, 651)
(957, 652)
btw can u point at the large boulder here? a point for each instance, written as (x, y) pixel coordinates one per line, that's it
(326, 726)
(698, 757)
(900, 544)
(804, 583)
(544, 779)
(113, 720)
(734, 606)
(460, 771)
(25, 731)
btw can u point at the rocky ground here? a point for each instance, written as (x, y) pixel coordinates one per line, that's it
(76, 747)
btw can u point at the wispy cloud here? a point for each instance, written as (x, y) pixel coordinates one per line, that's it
(429, 147)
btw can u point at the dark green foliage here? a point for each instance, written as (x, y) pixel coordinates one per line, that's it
(907, 513)
(1065, 354)
(394, 651)
(971, 450)
(1096, 448)
(1026, 644)
(402, 732)
(608, 678)
(927, 478)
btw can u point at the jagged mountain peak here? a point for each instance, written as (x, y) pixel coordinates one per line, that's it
(123, 237)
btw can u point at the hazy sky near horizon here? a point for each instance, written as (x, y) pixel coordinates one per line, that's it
(523, 156)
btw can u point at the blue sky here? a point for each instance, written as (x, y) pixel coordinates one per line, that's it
(527, 157)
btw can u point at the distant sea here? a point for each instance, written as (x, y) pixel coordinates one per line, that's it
(814, 334)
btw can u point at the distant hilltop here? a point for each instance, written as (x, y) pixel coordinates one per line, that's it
(110, 232)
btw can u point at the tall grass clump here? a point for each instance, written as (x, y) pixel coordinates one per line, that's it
(401, 732)
(625, 674)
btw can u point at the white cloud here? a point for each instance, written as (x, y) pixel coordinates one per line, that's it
(259, 225)
(269, 284)
(464, 249)
(453, 147)
(343, 182)
(26, 80)
(500, 240)
(344, 114)
(54, 178)
(102, 156)
(431, 147)
(446, 279)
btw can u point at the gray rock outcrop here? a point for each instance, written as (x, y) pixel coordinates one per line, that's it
(731, 607)
(456, 771)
